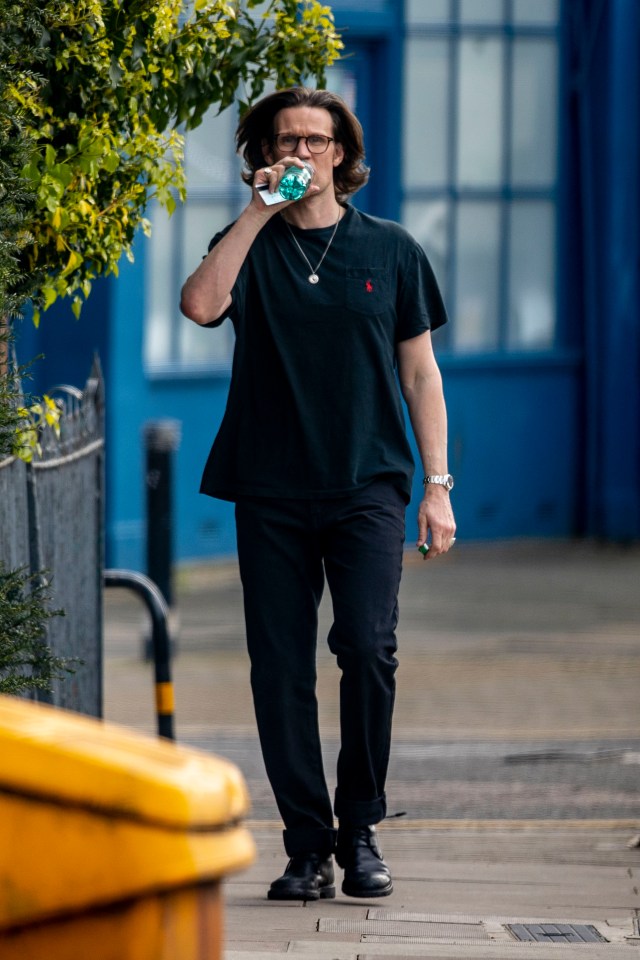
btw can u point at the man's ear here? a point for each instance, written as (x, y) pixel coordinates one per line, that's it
(338, 154)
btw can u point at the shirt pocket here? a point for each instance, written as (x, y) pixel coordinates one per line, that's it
(367, 290)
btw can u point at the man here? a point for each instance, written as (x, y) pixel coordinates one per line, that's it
(325, 302)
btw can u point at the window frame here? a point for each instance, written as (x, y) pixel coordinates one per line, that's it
(505, 193)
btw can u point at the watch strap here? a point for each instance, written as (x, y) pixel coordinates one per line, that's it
(442, 479)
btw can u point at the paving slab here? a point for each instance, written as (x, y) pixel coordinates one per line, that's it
(516, 753)
(454, 888)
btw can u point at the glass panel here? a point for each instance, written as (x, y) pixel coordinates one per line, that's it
(342, 80)
(209, 157)
(535, 11)
(159, 284)
(479, 160)
(426, 11)
(534, 110)
(425, 113)
(531, 320)
(429, 224)
(481, 11)
(475, 323)
(205, 347)
(201, 221)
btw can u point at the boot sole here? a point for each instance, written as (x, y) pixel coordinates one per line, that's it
(325, 893)
(367, 894)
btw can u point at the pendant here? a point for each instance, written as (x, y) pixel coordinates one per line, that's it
(313, 278)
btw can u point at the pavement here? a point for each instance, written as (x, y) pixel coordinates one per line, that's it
(515, 762)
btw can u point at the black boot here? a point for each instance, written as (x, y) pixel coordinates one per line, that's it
(308, 877)
(365, 872)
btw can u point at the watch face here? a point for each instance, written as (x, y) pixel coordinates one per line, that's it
(449, 483)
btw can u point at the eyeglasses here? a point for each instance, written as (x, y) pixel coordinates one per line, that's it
(288, 142)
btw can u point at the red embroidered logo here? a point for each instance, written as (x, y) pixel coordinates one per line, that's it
(368, 286)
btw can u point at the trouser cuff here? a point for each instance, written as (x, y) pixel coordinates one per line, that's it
(360, 813)
(301, 840)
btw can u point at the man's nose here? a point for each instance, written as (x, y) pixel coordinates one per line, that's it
(302, 150)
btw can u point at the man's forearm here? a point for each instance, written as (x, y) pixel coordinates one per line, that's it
(428, 415)
(422, 389)
(207, 292)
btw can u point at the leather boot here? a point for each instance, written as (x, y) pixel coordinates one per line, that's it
(365, 872)
(307, 877)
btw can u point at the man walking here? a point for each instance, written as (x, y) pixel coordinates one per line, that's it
(326, 303)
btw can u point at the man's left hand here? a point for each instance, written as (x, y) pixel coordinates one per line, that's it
(435, 516)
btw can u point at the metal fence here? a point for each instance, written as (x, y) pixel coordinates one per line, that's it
(51, 519)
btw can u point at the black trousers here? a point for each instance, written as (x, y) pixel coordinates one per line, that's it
(286, 548)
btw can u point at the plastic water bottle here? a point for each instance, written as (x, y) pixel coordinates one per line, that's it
(295, 181)
(292, 186)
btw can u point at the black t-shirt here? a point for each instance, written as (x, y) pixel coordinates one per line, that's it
(314, 406)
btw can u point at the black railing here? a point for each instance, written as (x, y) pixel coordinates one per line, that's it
(155, 603)
(51, 523)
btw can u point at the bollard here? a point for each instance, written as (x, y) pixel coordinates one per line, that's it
(161, 438)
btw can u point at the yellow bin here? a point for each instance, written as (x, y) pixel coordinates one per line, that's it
(113, 845)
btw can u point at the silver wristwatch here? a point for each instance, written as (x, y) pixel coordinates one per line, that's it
(443, 479)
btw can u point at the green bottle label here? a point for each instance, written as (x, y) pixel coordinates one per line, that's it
(294, 183)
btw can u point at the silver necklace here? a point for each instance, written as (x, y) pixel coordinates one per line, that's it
(313, 276)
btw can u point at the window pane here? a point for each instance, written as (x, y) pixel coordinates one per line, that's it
(206, 347)
(531, 320)
(201, 221)
(475, 325)
(425, 113)
(535, 11)
(176, 247)
(342, 80)
(209, 158)
(428, 223)
(481, 11)
(159, 287)
(427, 11)
(479, 160)
(534, 107)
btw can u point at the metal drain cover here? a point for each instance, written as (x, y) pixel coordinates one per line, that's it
(555, 933)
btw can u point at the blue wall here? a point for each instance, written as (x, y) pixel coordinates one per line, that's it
(603, 107)
(64, 347)
(620, 509)
(511, 428)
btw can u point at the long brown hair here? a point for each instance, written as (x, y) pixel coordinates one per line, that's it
(256, 129)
